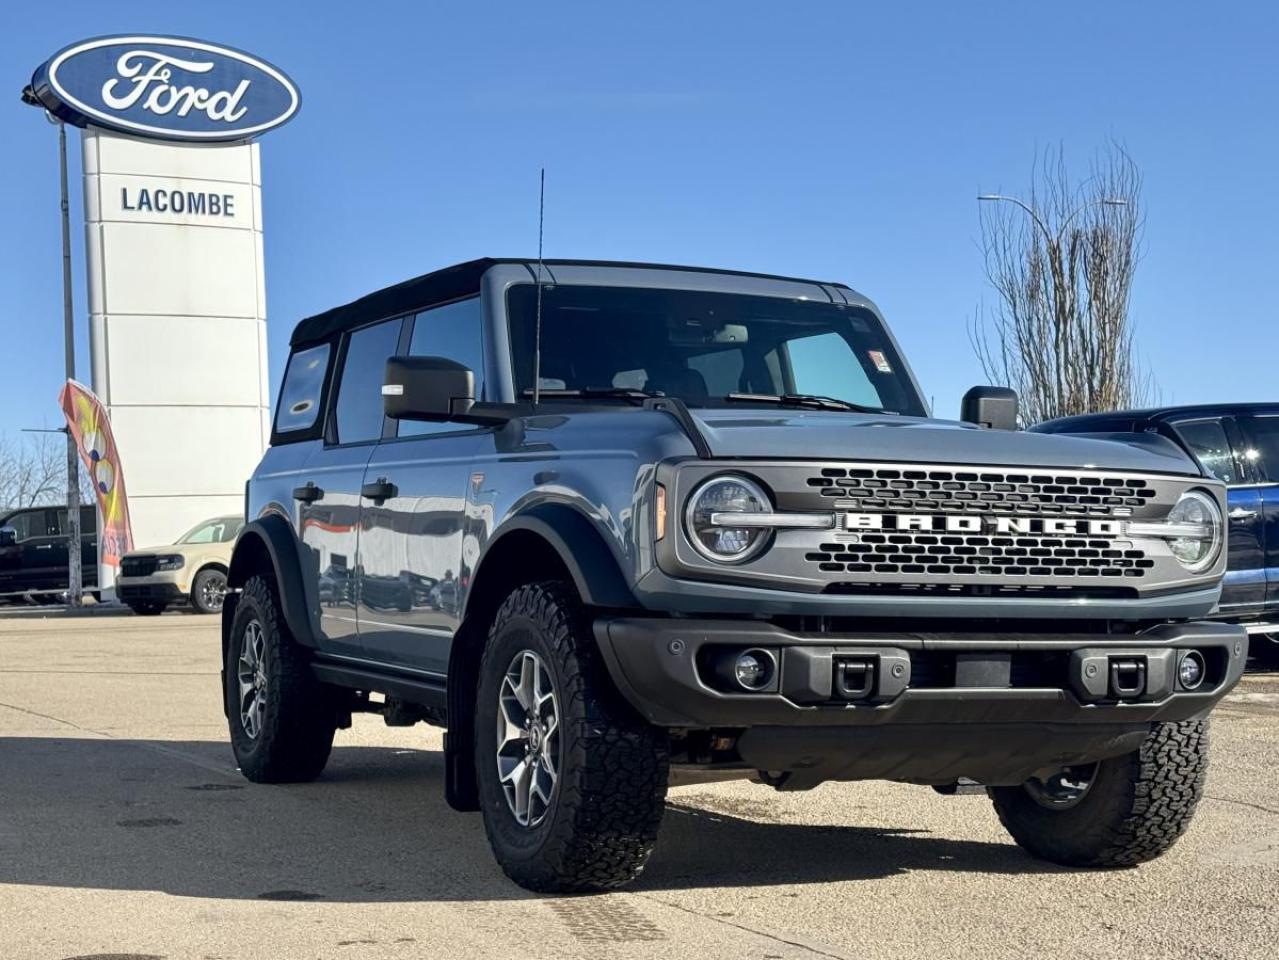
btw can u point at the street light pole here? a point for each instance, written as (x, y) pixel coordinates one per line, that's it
(75, 577)
(1039, 221)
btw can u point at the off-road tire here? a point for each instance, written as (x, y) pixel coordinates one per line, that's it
(197, 590)
(300, 714)
(607, 804)
(1137, 807)
(147, 609)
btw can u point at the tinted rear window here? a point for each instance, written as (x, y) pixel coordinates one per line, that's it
(300, 393)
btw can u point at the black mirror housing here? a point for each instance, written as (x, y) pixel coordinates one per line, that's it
(436, 389)
(427, 388)
(8, 537)
(994, 408)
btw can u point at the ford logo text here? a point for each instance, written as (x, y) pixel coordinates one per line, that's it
(165, 87)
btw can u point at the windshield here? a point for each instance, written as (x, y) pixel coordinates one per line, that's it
(221, 530)
(705, 347)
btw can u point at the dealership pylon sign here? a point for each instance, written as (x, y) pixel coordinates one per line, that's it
(167, 88)
(175, 267)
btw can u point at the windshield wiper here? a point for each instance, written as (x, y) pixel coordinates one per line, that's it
(810, 400)
(595, 393)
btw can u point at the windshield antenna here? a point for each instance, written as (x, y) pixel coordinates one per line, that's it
(537, 323)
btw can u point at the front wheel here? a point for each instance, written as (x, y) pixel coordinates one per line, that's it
(572, 781)
(1115, 813)
(208, 591)
(282, 719)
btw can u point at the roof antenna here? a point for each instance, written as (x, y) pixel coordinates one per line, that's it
(537, 323)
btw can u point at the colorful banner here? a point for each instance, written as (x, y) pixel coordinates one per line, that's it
(91, 428)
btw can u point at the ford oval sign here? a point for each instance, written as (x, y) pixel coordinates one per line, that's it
(165, 87)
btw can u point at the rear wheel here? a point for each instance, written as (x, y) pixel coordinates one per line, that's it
(1115, 813)
(208, 591)
(282, 719)
(572, 781)
(147, 608)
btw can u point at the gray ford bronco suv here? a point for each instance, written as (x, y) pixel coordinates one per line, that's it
(601, 520)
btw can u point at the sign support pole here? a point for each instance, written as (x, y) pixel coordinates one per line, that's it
(74, 574)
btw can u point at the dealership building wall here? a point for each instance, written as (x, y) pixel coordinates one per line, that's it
(177, 322)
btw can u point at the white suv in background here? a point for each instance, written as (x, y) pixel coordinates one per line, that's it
(192, 570)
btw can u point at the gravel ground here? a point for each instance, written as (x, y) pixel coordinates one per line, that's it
(126, 832)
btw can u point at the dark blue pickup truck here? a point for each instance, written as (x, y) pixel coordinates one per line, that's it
(1239, 445)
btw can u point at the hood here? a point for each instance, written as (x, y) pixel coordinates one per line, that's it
(831, 435)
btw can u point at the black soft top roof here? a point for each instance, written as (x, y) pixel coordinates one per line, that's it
(453, 283)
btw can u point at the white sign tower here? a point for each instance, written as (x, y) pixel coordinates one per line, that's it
(177, 306)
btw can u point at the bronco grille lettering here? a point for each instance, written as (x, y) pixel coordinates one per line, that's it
(926, 522)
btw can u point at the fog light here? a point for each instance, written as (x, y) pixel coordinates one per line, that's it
(1190, 671)
(753, 669)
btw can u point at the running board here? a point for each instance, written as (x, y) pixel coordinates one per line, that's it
(420, 690)
(1261, 628)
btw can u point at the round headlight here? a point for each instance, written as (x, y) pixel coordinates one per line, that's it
(1196, 551)
(709, 522)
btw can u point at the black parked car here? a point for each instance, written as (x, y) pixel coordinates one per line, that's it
(33, 552)
(1239, 445)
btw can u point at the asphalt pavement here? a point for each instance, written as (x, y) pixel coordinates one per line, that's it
(127, 833)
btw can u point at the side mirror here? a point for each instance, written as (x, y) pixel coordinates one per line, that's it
(994, 408)
(8, 537)
(427, 388)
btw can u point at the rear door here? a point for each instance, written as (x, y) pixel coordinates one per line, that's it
(411, 542)
(1217, 444)
(1261, 434)
(44, 554)
(329, 485)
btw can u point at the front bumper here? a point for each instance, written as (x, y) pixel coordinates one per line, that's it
(661, 667)
(149, 590)
(920, 707)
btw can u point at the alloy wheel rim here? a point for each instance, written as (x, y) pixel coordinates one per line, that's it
(251, 675)
(213, 592)
(528, 738)
(1063, 789)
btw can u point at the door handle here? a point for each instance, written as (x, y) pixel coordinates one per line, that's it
(379, 490)
(1242, 513)
(309, 493)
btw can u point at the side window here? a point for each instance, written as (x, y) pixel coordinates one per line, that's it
(28, 524)
(300, 394)
(452, 332)
(1206, 439)
(359, 402)
(1263, 439)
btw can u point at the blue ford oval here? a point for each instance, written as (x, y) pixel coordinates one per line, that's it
(169, 88)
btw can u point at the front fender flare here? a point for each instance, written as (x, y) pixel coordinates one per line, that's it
(273, 536)
(594, 568)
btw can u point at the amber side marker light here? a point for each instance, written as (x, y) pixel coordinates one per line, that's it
(661, 511)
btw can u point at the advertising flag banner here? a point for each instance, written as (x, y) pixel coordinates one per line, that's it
(90, 427)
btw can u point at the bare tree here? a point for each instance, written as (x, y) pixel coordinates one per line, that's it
(1062, 263)
(33, 472)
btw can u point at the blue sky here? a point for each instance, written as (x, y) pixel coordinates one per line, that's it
(842, 141)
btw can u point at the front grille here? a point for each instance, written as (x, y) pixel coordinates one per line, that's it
(965, 491)
(932, 554)
(137, 566)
